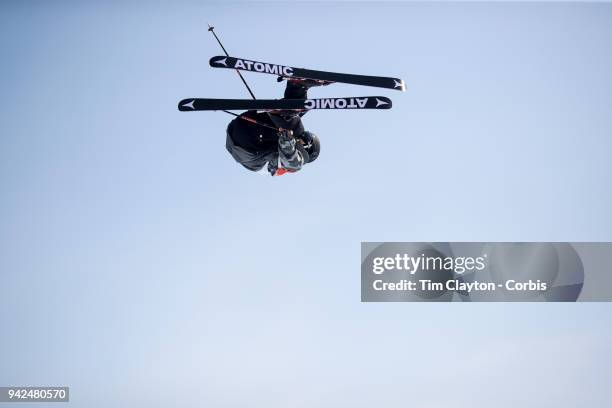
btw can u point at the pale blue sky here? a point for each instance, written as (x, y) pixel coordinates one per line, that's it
(144, 268)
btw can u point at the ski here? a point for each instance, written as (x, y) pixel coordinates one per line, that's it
(205, 104)
(291, 72)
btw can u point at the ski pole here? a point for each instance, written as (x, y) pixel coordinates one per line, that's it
(212, 30)
(254, 121)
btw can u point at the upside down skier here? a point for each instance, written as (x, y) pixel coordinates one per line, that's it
(255, 145)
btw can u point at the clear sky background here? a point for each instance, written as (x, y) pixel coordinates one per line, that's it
(144, 268)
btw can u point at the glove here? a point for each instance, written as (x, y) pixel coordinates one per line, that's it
(274, 170)
(286, 142)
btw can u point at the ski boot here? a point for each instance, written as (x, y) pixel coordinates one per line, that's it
(304, 82)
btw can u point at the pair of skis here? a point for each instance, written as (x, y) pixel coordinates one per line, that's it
(289, 73)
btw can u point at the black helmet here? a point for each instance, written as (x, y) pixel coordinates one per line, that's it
(311, 144)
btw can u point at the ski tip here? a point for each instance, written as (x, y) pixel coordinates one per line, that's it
(382, 102)
(399, 84)
(186, 105)
(219, 61)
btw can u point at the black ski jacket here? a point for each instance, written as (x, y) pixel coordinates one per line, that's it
(253, 145)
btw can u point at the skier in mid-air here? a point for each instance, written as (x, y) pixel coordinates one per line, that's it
(271, 132)
(255, 145)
